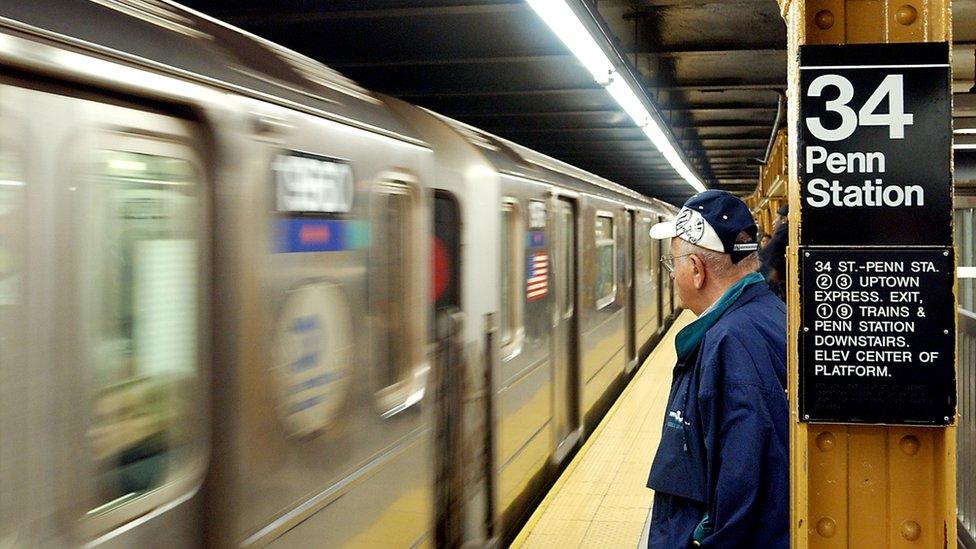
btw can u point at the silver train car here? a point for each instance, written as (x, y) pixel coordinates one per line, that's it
(245, 302)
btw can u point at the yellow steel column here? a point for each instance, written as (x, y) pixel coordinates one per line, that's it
(861, 486)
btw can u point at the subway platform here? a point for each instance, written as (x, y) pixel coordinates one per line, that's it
(600, 499)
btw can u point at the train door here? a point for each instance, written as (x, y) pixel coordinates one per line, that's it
(104, 255)
(141, 279)
(564, 341)
(446, 330)
(630, 311)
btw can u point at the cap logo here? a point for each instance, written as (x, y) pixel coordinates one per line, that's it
(689, 225)
(745, 247)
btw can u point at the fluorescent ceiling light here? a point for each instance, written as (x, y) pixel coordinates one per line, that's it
(628, 101)
(563, 21)
(965, 146)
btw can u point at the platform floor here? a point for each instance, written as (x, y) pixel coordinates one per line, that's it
(600, 499)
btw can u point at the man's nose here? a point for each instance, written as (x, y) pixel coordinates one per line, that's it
(671, 274)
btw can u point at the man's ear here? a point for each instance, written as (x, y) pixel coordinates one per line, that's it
(698, 271)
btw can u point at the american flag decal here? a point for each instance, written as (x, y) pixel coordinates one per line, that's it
(537, 281)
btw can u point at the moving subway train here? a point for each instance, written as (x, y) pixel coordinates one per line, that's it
(247, 302)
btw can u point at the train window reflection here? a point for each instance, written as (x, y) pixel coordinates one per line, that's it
(606, 280)
(649, 251)
(391, 248)
(13, 487)
(512, 291)
(504, 317)
(140, 307)
(11, 197)
(568, 258)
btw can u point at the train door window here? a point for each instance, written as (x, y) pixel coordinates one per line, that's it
(445, 284)
(11, 204)
(13, 484)
(650, 250)
(445, 272)
(394, 309)
(512, 249)
(606, 251)
(140, 299)
(568, 256)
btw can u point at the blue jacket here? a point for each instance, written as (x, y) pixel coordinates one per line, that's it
(724, 446)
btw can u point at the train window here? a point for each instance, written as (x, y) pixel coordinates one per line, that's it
(568, 258)
(512, 249)
(13, 473)
(11, 204)
(390, 291)
(140, 305)
(649, 252)
(606, 276)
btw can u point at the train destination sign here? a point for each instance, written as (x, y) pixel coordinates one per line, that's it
(874, 145)
(877, 341)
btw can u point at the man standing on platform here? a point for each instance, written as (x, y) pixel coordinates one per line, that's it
(721, 473)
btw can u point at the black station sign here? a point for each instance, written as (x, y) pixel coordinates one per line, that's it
(875, 144)
(877, 341)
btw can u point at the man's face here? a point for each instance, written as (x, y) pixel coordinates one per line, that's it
(683, 274)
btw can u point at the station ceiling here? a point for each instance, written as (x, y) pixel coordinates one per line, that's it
(715, 69)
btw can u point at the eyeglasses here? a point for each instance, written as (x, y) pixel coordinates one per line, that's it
(668, 260)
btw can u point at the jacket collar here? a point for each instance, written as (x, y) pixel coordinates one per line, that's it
(689, 336)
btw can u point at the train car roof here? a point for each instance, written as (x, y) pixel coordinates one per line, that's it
(509, 156)
(171, 38)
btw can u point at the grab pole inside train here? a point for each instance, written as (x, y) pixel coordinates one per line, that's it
(872, 295)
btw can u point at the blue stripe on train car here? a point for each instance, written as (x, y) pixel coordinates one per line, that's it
(313, 235)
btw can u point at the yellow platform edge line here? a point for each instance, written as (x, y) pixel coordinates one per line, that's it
(683, 319)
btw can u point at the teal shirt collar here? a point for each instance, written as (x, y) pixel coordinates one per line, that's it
(690, 335)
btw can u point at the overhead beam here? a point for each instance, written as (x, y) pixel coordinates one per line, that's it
(669, 54)
(601, 112)
(744, 125)
(270, 16)
(427, 61)
(500, 93)
(719, 85)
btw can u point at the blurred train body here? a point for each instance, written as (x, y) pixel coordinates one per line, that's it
(244, 301)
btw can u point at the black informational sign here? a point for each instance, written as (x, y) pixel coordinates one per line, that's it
(875, 145)
(877, 341)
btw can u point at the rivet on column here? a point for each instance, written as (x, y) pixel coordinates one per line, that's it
(826, 527)
(909, 444)
(825, 441)
(906, 15)
(910, 530)
(824, 19)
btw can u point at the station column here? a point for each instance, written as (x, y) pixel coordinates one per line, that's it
(872, 293)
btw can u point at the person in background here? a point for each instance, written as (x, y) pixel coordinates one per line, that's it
(721, 473)
(763, 268)
(773, 255)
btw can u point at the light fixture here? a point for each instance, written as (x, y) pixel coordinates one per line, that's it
(568, 27)
(564, 22)
(628, 101)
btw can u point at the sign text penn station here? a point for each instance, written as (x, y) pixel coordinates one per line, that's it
(869, 191)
